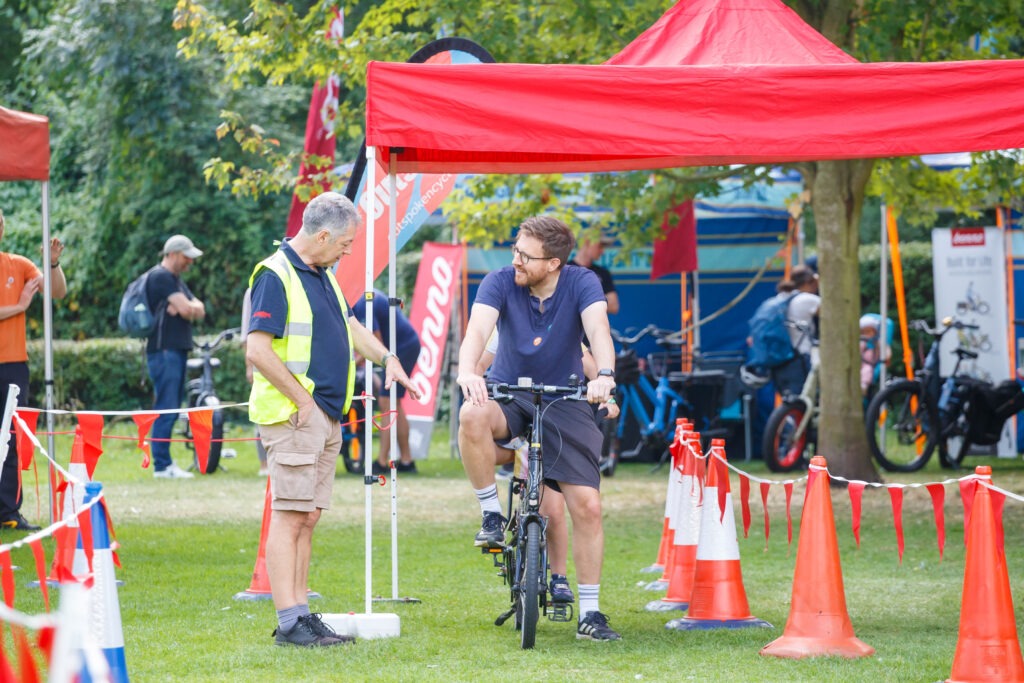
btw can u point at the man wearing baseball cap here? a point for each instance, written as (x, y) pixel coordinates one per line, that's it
(175, 307)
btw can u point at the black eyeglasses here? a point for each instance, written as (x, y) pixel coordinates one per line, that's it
(526, 258)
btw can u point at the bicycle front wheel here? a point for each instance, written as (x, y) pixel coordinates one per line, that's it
(532, 580)
(901, 426)
(785, 450)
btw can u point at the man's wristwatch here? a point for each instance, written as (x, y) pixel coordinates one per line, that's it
(385, 358)
(606, 372)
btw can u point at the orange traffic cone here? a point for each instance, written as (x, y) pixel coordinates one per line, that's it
(987, 648)
(818, 624)
(683, 558)
(259, 587)
(69, 561)
(668, 525)
(718, 599)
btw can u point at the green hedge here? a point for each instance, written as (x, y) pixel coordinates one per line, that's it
(110, 374)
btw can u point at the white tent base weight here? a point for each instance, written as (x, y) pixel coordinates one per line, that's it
(366, 626)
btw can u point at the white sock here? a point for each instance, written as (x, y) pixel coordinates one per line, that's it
(488, 498)
(589, 593)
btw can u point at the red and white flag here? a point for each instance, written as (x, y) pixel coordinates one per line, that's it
(320, 140)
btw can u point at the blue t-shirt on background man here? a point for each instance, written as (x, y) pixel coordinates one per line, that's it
(405, 333)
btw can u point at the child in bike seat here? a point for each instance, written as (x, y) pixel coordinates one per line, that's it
(871, 349)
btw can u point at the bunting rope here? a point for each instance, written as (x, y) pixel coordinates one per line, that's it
(31, 435)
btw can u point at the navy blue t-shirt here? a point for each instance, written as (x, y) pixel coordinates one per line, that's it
(330, 353)
(405, 334)
(543, 346)
(171, 331)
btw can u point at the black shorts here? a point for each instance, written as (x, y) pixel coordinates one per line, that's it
(571, 441)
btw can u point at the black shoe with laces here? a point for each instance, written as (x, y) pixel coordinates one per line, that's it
(310, 631)
(594, 626)
(560, 590)
(492, 531)
(407, 467)
(19, 523)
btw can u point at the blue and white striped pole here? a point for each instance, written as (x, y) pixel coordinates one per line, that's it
(105, 610)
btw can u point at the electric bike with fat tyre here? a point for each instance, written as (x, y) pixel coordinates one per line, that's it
(522, 561)
(202, 393)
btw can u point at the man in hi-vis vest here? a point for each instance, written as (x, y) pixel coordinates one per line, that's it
(300, 343)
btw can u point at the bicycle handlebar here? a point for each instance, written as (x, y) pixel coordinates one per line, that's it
(223, 336)
(503, 391)
(946, 325)
(663, 337)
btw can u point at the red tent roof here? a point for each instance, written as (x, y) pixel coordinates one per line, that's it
(24, 146)
(784, 95)
(730, 32)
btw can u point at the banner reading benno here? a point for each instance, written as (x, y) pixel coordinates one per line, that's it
(436, 283)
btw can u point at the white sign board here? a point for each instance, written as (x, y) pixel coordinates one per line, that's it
(970, 286)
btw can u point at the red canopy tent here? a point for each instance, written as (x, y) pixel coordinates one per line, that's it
(735, 81)
(25, 155)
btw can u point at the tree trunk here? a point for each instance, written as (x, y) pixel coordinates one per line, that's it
(837, 196)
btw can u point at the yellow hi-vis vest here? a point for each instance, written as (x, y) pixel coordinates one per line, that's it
(267, 405)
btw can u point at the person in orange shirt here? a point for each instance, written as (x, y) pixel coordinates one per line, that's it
(20, 280)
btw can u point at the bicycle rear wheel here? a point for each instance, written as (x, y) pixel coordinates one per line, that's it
(530, 583)
(216, 435)
(783, 449)
(901, 425)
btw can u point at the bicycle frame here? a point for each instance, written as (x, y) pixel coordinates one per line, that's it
(809, 393)
(529, 593)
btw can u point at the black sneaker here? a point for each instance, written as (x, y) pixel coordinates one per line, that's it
(559, 589)
(594, 626)
(316, 621)
(492, 531)
(310, 631)
(380, 469)
(407, 467)
(19, 523)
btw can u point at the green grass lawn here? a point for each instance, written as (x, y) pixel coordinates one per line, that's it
(189, 546)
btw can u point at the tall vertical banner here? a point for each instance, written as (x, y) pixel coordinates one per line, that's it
(437, 282)
(970, 285)
(320, 140)
(418, 195)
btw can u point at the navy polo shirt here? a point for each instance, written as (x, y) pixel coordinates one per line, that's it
(330, 353)
(543, 346)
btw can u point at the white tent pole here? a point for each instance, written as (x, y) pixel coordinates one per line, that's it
(368, 481)
(883, 295)
(48, 333)
(392, 346)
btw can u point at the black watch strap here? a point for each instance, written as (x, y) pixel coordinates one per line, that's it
(606, 372)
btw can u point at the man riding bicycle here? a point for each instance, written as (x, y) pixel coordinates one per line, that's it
(542, 308)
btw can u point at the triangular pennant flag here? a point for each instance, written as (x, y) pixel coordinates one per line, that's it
(144, 421)
(201, 422)
(91, 425)
(6, 672)
(896, 497)
(745, 503)
(44, 639)
(998, 498)
(40, 554)
(7, 578)
(85, 529)
(26, 449)
(114, 545)
(967, 488)
(722, 472)
(788, 487)
(856, 489)
(765, 486)
(938, 494)
(26, 662)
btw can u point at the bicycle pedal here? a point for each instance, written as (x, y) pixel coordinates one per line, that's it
(559, 611)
